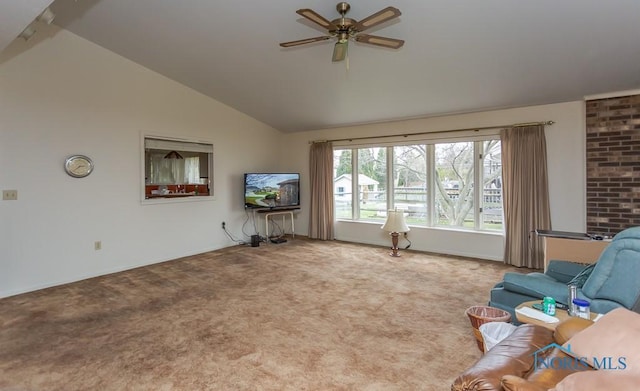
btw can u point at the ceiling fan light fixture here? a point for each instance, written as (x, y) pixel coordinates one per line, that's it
(340, 51)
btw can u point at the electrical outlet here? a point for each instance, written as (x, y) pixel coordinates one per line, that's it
(224, 225)
(97, 245)
(9, 195)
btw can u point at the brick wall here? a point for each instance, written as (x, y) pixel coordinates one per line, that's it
(613, 164)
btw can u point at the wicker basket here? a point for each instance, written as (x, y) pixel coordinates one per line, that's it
(481, 314)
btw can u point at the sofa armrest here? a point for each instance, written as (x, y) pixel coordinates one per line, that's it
(568, 328)
(512, 356)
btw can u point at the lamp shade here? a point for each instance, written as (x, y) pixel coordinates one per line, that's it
(395, 221)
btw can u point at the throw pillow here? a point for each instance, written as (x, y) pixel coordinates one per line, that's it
(582, 277)
(611, 342)
(598, 381)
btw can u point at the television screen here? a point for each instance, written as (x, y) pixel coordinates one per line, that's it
(271, 190)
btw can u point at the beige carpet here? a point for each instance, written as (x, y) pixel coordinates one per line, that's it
(304, 315)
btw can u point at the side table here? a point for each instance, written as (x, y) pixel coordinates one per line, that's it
(560, 314)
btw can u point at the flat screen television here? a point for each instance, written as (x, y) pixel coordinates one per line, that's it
(272, 190)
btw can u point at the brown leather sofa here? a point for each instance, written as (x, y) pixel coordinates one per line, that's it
(511, 366)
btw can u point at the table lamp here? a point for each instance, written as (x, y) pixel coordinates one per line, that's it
(395, 224)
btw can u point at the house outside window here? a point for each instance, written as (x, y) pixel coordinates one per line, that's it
(370, 183)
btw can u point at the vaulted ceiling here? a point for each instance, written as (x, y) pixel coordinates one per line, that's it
(459, 56)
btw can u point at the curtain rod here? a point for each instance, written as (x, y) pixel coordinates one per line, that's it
(436, 132)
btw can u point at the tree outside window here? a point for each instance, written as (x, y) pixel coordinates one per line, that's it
(492, 216)
(410, 182)
(454, 166)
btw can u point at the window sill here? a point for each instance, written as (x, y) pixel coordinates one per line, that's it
(424, 227)
(178, 198)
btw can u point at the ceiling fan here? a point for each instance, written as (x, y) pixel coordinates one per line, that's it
(346, 28)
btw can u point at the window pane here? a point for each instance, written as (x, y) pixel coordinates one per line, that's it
(372, 173)
(454, 181)
(410, 182)
(492, 185)
(342, 195)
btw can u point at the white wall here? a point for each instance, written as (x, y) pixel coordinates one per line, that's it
(566, 162)
(61, 95)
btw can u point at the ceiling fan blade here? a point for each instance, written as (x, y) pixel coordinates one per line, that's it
(377, 18)
(303, 41)
(340, 51)
(316, 18)
(380, 41)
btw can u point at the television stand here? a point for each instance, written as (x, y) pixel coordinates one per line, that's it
(279, 212)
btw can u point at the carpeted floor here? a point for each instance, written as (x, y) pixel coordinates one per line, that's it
(304, 315)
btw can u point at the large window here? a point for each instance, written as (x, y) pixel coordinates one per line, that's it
(177, 169)
(439, 184)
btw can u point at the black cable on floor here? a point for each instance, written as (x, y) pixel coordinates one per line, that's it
(407, 239)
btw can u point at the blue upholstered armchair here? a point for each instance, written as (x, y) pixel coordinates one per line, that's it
(613, 282)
